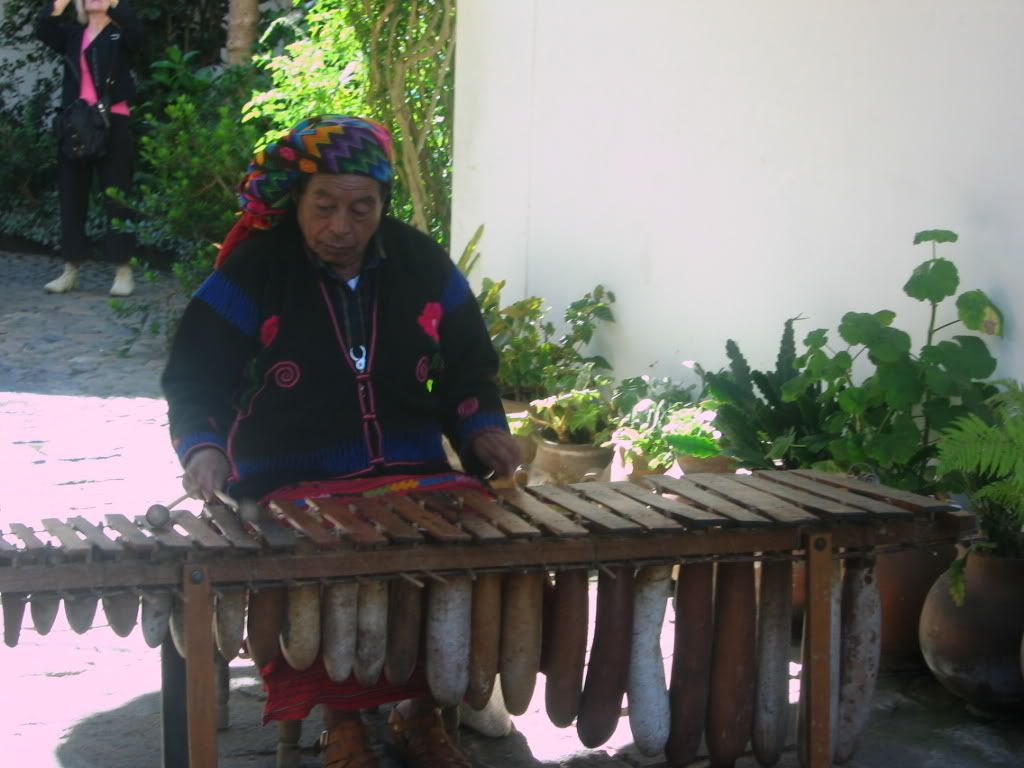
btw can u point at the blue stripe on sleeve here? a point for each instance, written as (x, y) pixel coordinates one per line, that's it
(455, 290)
(467, 429)
(189, 443)
(230, 302)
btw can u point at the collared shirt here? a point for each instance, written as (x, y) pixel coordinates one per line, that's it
(352, 299)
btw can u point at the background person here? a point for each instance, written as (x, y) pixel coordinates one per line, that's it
(96, 46)
(328, 353)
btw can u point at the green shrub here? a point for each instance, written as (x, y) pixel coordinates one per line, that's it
(193, 157)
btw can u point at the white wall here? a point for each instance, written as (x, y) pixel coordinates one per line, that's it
(724, 166)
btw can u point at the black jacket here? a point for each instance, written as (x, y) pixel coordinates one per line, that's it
(124, 34)
(260, 365)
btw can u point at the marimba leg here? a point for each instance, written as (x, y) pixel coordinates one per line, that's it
(173, 722)
(289, 752)
(223, 692)
(819, 670)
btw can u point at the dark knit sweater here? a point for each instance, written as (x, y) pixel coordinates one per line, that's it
(260, 367)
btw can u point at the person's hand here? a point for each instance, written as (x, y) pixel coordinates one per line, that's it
(498, 451)
(59, 6)
(206, 471)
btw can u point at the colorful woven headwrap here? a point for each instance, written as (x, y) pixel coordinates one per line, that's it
(325, 144)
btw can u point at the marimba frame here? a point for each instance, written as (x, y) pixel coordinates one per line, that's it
(201, 573)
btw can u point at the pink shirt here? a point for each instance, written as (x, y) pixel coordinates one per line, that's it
(88, 90)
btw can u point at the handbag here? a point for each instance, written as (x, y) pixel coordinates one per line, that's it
(83, 129)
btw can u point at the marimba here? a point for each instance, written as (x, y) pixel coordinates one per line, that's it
(731, 656)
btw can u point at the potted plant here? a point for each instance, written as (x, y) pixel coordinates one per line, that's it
(571, 429)
(973, 617)
(760, 427)
(533, 363)
(886, 424)
(660, 429)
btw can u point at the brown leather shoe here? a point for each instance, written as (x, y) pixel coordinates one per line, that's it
(345, 745)
(423, 742)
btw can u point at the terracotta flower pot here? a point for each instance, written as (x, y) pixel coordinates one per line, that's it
(974, 649)
(557, 463)
(904, 579)
(691, 465)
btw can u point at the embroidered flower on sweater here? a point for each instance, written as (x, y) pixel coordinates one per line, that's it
(268, 331)
(430, 319)
(422, 369)
(468, 407)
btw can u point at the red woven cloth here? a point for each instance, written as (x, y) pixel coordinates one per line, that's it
(291, 694)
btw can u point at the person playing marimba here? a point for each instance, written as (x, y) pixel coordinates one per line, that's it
(333, 346)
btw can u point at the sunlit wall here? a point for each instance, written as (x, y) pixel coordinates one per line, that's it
(725, 166)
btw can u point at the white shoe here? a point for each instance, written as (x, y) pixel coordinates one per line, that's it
(124, 283)
(66, 282)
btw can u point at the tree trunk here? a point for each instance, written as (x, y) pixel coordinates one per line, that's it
(243, 22)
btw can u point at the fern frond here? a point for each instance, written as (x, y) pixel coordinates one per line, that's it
(970, 445)
(1003, 493)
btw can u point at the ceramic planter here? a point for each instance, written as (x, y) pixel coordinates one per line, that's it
(560, 464)
(691, 465)
(974, 649)
(904, 579)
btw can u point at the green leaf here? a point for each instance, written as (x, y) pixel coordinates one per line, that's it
(967, 357)
(818, 363)
(938, 381)
(885, 316)
(781, 446)
(816, 339)
(795, 387)
(900, 383)
(978, 313)
(853, 401)
(859, 327)
(889, 346)
(847, 450)
(933, 281)
(693, 445)
(897, 445)
(836, 422)
(841, 365)
(941, 414)
(958, 580)
(935, 236)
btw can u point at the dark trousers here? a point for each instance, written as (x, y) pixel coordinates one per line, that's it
(74, 182)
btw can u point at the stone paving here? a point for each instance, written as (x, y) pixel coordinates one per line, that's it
(83, 431)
